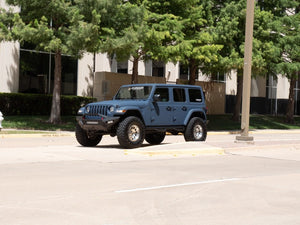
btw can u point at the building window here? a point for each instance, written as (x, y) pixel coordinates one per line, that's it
(184, 72)
(122, 67)
(158, 69)
(218, 77)
(37, 72)
(271, 94)
(297, 96)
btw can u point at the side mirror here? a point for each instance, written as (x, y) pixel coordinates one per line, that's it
(156, 98)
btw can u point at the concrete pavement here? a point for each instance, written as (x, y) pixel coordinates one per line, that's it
(51, 179)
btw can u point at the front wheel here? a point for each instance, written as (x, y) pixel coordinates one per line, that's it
(195, 130)
(83, 138)
(131, 132)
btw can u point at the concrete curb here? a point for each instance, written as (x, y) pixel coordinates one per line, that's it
(41, 134)
(263, 131)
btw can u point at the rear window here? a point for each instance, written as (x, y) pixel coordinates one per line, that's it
(179, 95)
(195, 95)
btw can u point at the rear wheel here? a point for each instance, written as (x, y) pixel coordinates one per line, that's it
(131, 132)
(155, 138)
(83, 138)
(195, 130)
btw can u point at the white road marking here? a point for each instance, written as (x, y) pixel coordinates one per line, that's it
(176, 185)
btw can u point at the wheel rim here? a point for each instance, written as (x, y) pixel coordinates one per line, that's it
(198, 132)
(134, 133)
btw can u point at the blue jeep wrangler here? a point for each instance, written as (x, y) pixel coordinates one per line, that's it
(144, 111)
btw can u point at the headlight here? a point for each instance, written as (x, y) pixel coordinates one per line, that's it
(81, 111)
(111, 108)
(88, 109)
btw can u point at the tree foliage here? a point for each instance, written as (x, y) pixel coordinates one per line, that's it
(127, 40)
(230, 28)
(56, 26)
(198, 47)
(145, 32)
(286, 35)
(6, 23)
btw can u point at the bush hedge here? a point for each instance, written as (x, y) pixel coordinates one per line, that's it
(39, 104)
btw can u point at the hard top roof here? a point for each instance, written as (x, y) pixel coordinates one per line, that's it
(161, 85)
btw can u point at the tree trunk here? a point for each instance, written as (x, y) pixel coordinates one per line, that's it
(135, 73)
(193, 69)
(55, 109)
(291, 102)
(238, 97)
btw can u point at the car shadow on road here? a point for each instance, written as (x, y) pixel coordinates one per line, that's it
(119, 147)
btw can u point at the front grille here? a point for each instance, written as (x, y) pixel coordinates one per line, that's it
(96, 110)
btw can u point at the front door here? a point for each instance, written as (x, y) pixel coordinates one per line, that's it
(161, 110)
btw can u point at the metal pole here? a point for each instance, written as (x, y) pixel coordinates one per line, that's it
(247, 73)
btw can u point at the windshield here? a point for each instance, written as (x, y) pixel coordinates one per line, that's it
(136, 92)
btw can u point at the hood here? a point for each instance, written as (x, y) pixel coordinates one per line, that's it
(121, 103)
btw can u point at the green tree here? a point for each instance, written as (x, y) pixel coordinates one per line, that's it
(198, 47)
(230, 28)
(190, 39)
(3, 28)
(126, 37)
(141, 31)
(286, 35)
(6, 22)
(56, 26)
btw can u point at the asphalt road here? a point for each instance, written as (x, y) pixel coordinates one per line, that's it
(48, 180)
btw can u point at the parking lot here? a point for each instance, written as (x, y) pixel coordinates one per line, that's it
(50, 179)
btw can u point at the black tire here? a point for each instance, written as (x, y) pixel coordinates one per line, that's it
(155, 138)
(131, 132)
(84, 140)
(195, 130)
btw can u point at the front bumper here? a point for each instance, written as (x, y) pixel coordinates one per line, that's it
(101, 123)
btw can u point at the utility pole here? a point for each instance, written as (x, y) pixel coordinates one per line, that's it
(247, 73)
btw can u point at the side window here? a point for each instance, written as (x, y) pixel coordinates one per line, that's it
(164, 94)
(179, 95)
(195, 95)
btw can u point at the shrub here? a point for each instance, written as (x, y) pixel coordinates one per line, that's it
(39, 104)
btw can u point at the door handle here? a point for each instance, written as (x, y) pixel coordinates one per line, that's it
(169, 108)
(184, 108)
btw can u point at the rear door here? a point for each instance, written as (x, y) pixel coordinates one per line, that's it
(180, 106)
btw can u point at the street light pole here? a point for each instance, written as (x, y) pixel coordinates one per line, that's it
(247, 73)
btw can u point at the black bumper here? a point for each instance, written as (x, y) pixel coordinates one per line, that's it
(104, 123)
